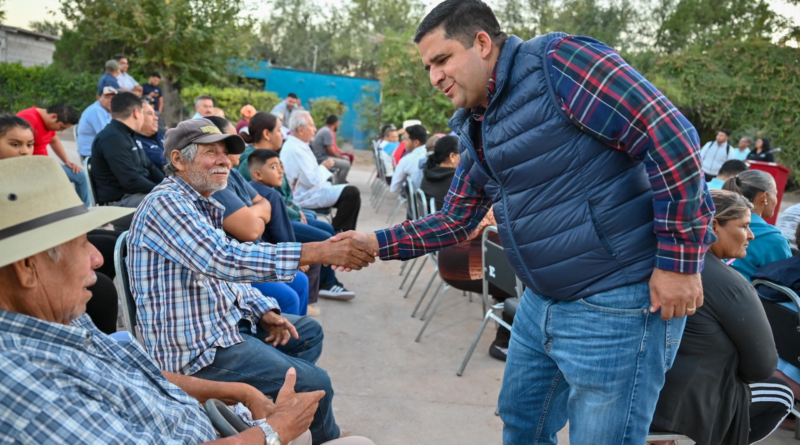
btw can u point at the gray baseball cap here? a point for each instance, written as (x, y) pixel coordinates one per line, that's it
(200, 131)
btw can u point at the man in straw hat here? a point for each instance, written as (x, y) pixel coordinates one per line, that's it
(64, 381)
(198, 313)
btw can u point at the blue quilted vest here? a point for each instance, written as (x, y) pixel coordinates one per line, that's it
(575, 216)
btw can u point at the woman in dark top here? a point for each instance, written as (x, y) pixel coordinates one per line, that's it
(440, 170)
(762, 152)
(720, 389)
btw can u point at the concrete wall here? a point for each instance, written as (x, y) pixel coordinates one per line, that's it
(28, 49)
(349, 90)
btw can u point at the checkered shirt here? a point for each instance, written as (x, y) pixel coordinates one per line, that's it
(75, 385)
(191, 283)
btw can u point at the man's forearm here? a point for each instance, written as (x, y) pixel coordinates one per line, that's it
(58, 149)
(202, 390)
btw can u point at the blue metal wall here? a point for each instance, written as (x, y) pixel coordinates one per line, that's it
(307, 85)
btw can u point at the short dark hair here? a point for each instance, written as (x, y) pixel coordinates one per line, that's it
(64, 114)
(258, 158)
(119, 57)
(9, 121)
(726, 131)
(155, 74)
(123, 104)
(732, 168)
(292, 95)
(220, 122)
(332, 119)
(417, 133)
(462, 20)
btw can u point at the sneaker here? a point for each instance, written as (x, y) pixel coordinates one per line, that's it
(336, 291)
(313, 311)
(498, 353)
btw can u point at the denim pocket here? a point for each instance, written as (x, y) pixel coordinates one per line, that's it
(674, 333)
(633, 299)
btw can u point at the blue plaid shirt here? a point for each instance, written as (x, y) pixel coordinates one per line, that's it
(74, 385)
(191, 283)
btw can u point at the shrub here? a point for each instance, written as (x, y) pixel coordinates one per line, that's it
(323, 107)
(23, 87)
(230, 100)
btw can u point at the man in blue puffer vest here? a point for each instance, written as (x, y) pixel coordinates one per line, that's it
(602, 210)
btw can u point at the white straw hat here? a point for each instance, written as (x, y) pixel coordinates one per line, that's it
(39, 208)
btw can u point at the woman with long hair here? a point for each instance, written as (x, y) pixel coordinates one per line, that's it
(762, 152)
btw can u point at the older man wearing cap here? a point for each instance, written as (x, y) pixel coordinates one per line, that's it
(93, 120)
(197, 313)
(64, 381)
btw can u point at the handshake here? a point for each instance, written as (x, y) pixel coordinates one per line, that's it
(345, 251)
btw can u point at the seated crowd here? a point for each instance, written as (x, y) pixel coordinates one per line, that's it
(225, 261)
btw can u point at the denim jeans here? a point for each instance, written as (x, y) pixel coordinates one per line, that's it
(291, 297)
(79, 181)
(598, 362)
(315, 230)
(259, 364)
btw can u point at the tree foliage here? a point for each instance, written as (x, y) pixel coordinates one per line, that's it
(230, 100)
(25, 87)
(322, 107)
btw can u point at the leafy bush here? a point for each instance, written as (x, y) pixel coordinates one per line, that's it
(323, 107)
(230, 100)
(23, 87)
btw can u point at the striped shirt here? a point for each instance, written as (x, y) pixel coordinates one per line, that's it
(608, 99)
(74, 384)
(191, 283)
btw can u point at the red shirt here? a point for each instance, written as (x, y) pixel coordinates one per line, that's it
(41, 135)
(399, 152)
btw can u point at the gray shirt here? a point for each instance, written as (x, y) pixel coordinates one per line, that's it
(322, 140)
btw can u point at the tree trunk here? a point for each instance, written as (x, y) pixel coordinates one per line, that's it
(173, 111)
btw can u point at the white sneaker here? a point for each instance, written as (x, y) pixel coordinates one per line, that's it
(336, 291)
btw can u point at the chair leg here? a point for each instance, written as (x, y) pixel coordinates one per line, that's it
(402, 268)
(394, 211)
(410, 268)
(414, 280)
(422, 298)
(384, 192)
(430, 303)
(474, 343)
(438, 299)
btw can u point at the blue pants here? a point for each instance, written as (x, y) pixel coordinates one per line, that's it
(598, 362)
(259, 364)
(315, 231)
(79, 181)
(291, 297)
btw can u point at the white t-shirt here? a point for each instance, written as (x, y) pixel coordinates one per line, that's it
(787, 223)
(309, 180)
(126, 81)
(713, 156)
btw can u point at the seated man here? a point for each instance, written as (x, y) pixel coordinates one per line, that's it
(93, 119)
(728, 170)
(64, 381)
(324, 148)
(109, 78)
(312, 189)
(408, 169)
(121, 172)
(149, 138)
(197, 313)
(45, 124)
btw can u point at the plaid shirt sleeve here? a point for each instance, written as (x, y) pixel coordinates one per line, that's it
(608, 99)
(464, 207)
(178, 232)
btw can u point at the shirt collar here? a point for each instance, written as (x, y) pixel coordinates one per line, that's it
(122, 127)
(295, 140)
(491, 89)
(44, 331)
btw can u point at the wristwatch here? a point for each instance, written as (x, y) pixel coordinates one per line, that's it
(272, 436)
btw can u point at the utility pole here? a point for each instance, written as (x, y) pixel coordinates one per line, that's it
(314, 65)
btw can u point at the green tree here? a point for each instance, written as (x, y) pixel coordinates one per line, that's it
(52, 28)
(187, 41)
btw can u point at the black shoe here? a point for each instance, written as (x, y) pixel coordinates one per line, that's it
(498, 353)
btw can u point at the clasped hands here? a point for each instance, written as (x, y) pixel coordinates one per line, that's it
(344, 251)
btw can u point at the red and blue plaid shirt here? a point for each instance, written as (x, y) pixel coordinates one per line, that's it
(608, 99)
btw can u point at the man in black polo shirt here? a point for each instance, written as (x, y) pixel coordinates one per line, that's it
(121, 172)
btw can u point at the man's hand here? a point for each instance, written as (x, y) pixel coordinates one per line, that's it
(328, 163)
(345, 253)
(259, 405)
(74, 167)
(279, 328)
(293, 411)
(304, 269)
(676, 294)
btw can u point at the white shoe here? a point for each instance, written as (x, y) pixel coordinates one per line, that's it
(336, 291)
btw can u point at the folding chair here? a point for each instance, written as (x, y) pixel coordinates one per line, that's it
(124, 287)
(326, 213)
(412, 210)
(785, 325)
(655, 436)
(87, 171)
(497, 271)
(225, 421)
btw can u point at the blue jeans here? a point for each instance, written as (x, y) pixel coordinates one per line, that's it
(79, 181)
(259, 364)
(598, 362)
(291, 297)
(314, 231)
